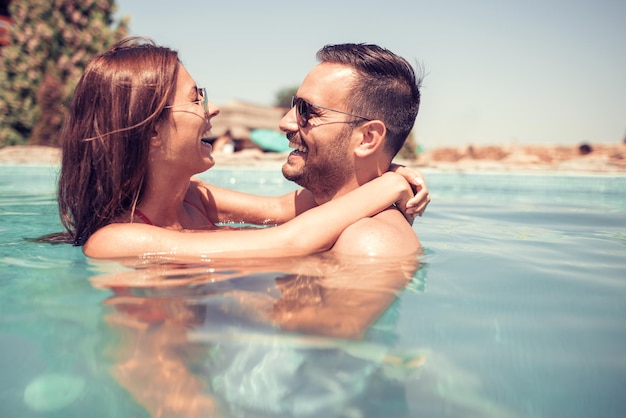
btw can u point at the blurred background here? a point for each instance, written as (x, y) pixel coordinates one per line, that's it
(496, 72)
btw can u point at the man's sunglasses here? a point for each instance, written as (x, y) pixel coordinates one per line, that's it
(303, 110)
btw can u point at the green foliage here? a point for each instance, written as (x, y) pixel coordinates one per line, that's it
(283, 97)
(51, 43)
(409, 150)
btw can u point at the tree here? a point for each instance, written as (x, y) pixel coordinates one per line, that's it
(51, 43)
(410, 149)
(284, 95)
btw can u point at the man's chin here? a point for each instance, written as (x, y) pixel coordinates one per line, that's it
(291, 174)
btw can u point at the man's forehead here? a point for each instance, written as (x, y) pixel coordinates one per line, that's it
(326, 81)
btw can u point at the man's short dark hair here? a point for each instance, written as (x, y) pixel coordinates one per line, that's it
(386, 87)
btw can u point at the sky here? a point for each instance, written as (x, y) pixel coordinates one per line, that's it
(497, 72)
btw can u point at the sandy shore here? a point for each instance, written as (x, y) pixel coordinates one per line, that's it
(598, 158)
(31, 154)
(603, 158)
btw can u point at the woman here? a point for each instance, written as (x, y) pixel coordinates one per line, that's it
(133, 141)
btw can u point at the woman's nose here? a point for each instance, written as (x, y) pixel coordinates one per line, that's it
(212, 110)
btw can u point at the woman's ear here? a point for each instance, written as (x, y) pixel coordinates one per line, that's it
(155, 138)
(372, 137)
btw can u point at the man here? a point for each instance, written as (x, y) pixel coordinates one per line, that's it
(349, 118)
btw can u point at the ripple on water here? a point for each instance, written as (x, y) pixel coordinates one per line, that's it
(52, 391)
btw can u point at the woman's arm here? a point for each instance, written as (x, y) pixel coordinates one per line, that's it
(422, 197)
(313, 231)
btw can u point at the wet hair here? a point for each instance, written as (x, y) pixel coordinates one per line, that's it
(117, 104)
(386, 88)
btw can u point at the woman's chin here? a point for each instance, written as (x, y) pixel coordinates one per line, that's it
(209, 162)
(207, 152)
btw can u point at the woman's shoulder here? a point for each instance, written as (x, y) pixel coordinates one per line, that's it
(196, 183)
(198, 192)
(201, 196)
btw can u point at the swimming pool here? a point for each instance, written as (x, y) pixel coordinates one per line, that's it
(516, 310)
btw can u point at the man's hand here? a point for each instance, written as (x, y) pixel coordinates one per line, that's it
(416, 205)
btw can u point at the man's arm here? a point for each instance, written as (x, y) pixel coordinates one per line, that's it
(232, 206)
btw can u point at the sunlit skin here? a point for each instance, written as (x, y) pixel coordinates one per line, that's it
(177, 149)
(181, 136)
(322, 160)
(332, 157)
(173, 200)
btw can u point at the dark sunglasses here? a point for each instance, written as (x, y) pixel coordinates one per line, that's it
(303, 109)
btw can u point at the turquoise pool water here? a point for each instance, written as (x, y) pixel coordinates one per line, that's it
(517, 310)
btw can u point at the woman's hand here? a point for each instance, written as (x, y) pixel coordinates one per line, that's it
(418, 203)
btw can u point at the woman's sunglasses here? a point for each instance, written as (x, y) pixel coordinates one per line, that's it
(303, 109)
(201, 91)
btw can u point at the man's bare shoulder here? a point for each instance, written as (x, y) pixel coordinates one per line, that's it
(386, 234)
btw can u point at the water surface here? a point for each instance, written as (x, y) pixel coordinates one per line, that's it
(516, 309)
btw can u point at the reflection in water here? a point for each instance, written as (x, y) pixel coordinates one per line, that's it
(307, 336)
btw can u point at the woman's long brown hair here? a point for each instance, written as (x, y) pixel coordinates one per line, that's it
(116, 107)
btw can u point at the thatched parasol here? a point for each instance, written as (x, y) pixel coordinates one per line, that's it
(239, 118)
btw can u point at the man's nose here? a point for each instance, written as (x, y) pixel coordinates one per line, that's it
(289, 122)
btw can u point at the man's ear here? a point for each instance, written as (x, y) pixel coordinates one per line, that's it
(372, 137)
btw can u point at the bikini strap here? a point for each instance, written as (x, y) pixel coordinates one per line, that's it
(199, 210)
(147, 220)
(143, 217)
